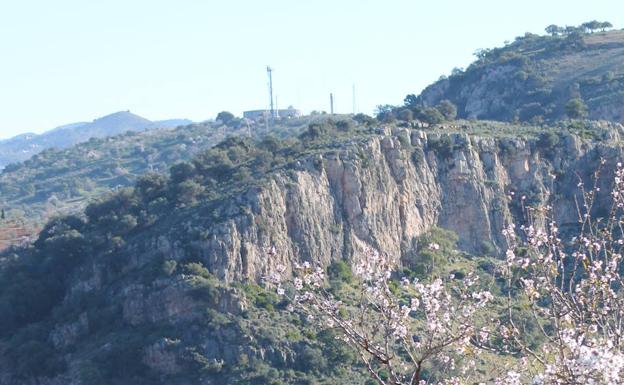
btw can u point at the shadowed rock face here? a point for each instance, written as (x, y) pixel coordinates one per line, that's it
(386, 192)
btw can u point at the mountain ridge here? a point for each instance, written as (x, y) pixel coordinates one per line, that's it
(23, 146)
(539, 78)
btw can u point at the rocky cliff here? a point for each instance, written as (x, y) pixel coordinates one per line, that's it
(148, 290)
(385, 191)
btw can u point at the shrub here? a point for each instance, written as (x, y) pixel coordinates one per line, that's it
(576, 108)
(181, 172)
(340, 271)
(443, 147)
(187, 191)
(311, 359)
(344, 125)
(447, 109)
(431, 116)
(364, 120)
(196, 268)
(548, 141)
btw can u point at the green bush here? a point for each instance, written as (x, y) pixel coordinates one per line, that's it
(198, 269)
(311, 359)
(576, 108)
(424, 259)
(548, 141)
(340, 271)
(447, 109)
(444, 146)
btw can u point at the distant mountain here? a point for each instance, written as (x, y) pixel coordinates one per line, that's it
(539, 78)
(24, 146)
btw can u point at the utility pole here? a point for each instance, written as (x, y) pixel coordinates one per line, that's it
(331, 103)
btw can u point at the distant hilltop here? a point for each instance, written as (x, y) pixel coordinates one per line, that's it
(22, 147)
(574, 72)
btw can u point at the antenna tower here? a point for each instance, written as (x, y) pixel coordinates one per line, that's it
(270, 73)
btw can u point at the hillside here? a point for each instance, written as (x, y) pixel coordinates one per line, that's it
(537, 78)
(157, 284)
(59, 181)
(24, 146)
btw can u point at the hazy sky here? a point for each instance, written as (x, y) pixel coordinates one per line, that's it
(63, 61)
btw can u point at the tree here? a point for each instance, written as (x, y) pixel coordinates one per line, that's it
(482, 53)
(364, 119)
(3, 215)
(380, 328)
(225, 117)
(576, 108)
(431, 115)
(554, 30)
(574, 291)
(187, 191)
(385, 113)
(182, 171)
(411, 101)
(571, 29)
(415, 332)
(447, 109)
(605, 25)
(591, 26)
(405, 115)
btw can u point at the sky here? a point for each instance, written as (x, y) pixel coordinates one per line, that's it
(67, 61)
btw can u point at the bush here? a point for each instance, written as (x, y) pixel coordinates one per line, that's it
(196, 268)
(344, 125)
(225, 117)
(262, 298)
(204, 289)
(405, 115)
(443, 147)
(181, 172)
(548, 141)
(311, 359)
(425, 258)
(187, 191)
(576, 108)
(365, 120)
(151, 186)
(315, 131)
(340, 271)
(447, 109)
(431, 116)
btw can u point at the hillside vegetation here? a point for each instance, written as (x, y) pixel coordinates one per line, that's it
(62, 181)
(158, 284)
(152, 252)
(536, 78)
(24, 146)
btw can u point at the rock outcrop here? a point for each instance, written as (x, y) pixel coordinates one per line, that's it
(385, 192)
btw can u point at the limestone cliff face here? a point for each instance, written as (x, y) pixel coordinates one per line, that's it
(382, 190)
(385, 192)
